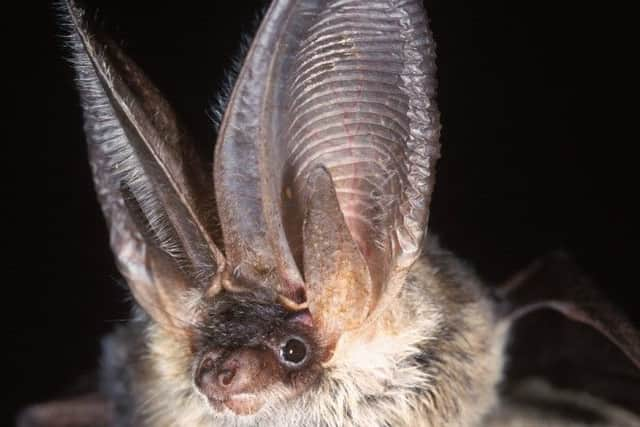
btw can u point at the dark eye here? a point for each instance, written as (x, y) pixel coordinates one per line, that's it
(294, 351)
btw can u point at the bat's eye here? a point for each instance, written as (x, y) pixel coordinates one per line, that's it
(294, 351)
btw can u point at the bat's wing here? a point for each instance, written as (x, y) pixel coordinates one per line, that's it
(584, 343)
(535, 403)
(89, 410)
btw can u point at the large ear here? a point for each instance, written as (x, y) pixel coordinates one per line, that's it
(326, 154)
(154, 191)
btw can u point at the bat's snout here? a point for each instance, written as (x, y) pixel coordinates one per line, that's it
(237, 380)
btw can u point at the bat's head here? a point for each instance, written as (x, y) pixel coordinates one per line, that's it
(280, 286)
(282, 275)
(247, 351)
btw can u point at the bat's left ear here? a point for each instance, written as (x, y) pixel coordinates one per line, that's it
(155, 192)
(555, 282)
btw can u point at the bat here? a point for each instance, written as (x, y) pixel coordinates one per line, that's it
(293, 283)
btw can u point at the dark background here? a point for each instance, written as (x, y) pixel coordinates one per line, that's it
(537, 155)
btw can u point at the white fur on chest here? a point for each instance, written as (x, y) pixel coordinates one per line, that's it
(433, 360)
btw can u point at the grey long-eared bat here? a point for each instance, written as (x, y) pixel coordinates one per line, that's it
(292, 282)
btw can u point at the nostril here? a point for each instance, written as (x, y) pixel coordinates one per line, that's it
(207, 365)
(225, 377)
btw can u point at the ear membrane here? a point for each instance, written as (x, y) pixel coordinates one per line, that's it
(325, 160)
(339, 286)
(155, 193)
(155, 281)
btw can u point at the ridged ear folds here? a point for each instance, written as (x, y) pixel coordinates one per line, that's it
(155, 193)
(328, 148)
(323, 170)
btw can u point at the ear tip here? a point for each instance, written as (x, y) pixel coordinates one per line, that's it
(80, 16)
(320, 191)
(73, 18)
(319, 175)
(77, 11)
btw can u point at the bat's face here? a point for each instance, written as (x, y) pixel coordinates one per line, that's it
(249, 361)
(286, 285)
(279, 270)
(247, 352)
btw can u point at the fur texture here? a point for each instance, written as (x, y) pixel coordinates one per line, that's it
(434, 355)
(433, 360)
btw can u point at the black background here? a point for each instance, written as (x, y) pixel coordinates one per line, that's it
(536, 155)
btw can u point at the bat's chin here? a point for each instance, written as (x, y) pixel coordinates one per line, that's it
(244, 403)
(239, 404)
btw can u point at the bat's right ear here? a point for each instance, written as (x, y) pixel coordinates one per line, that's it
(155, 193)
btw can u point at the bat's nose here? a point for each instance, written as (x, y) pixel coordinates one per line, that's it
(244, 371)
(225, 378)
(237, 379)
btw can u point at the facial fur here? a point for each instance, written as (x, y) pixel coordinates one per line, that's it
(284, 285)
(434, 359)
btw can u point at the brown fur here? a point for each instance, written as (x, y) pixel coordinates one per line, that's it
(433, 359)
(430, 355)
